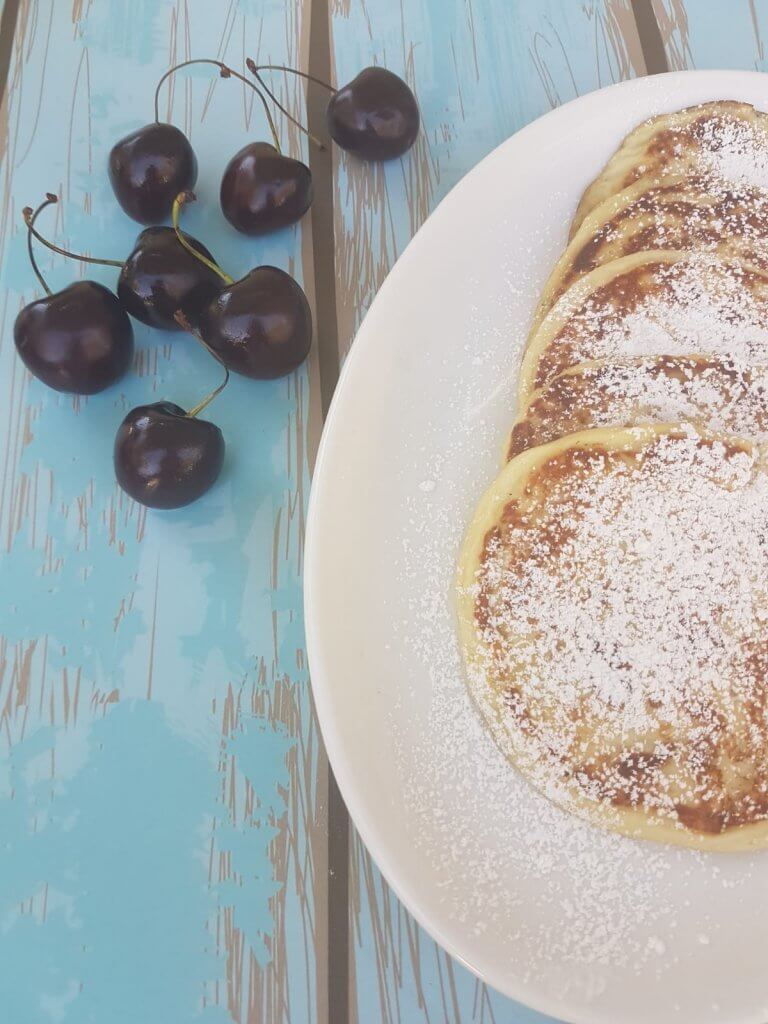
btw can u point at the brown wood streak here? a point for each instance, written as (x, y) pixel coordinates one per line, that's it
(56, 700)
(672, 19)
(756, 29)
(12, 488)
(398, 941)
(23, 664)
(617, 50)
(259, 993)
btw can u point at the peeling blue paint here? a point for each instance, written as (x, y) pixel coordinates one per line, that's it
(108, 815)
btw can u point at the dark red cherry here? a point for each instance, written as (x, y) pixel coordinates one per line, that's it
(376, 116)
(152, 165)
(260, 326)
(165, 458)
(148, 168)
(262, 189)
(78, 340)
(161, 277)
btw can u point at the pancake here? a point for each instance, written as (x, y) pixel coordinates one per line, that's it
(657, 303)
(613, 609)
(724, 140)
(715, 393)
(681, 214)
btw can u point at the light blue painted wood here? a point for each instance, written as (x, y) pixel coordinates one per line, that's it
(695, 36)
(158, 758)
(481, 69)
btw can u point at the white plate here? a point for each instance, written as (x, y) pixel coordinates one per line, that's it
(576, 923)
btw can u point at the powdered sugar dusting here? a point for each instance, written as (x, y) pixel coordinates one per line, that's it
(598, 895)
(621, 612)
(699, 304)
(530, 890)
(727, 395)
(695, 214)
(578, 872)
(733, 150)
(718, 393)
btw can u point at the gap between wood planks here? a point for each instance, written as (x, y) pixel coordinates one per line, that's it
(651, 42)
(323, 258)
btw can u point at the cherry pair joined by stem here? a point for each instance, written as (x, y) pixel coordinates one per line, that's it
(375, 117)
(262, 189)
(78, 340)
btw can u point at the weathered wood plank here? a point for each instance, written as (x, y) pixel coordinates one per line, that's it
(480, 71)
(162, 784)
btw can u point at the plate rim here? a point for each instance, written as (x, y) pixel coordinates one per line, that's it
(353, 794)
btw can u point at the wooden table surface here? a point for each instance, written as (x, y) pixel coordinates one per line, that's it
(172, 846)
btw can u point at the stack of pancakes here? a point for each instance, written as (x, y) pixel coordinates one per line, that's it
(613, 585)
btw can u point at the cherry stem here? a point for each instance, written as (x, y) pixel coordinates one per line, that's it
(178, 202)
(30, 218)
(184, 323)
(255, 70)
(226, 72)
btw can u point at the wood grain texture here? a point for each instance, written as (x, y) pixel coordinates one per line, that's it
(694, 35)
(161, 776)
(163, 783)
(481, 69)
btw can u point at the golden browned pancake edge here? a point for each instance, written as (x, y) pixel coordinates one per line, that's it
(681, 214)
(669, 144)
(688, 764)
(715, 393)
(654, 303)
